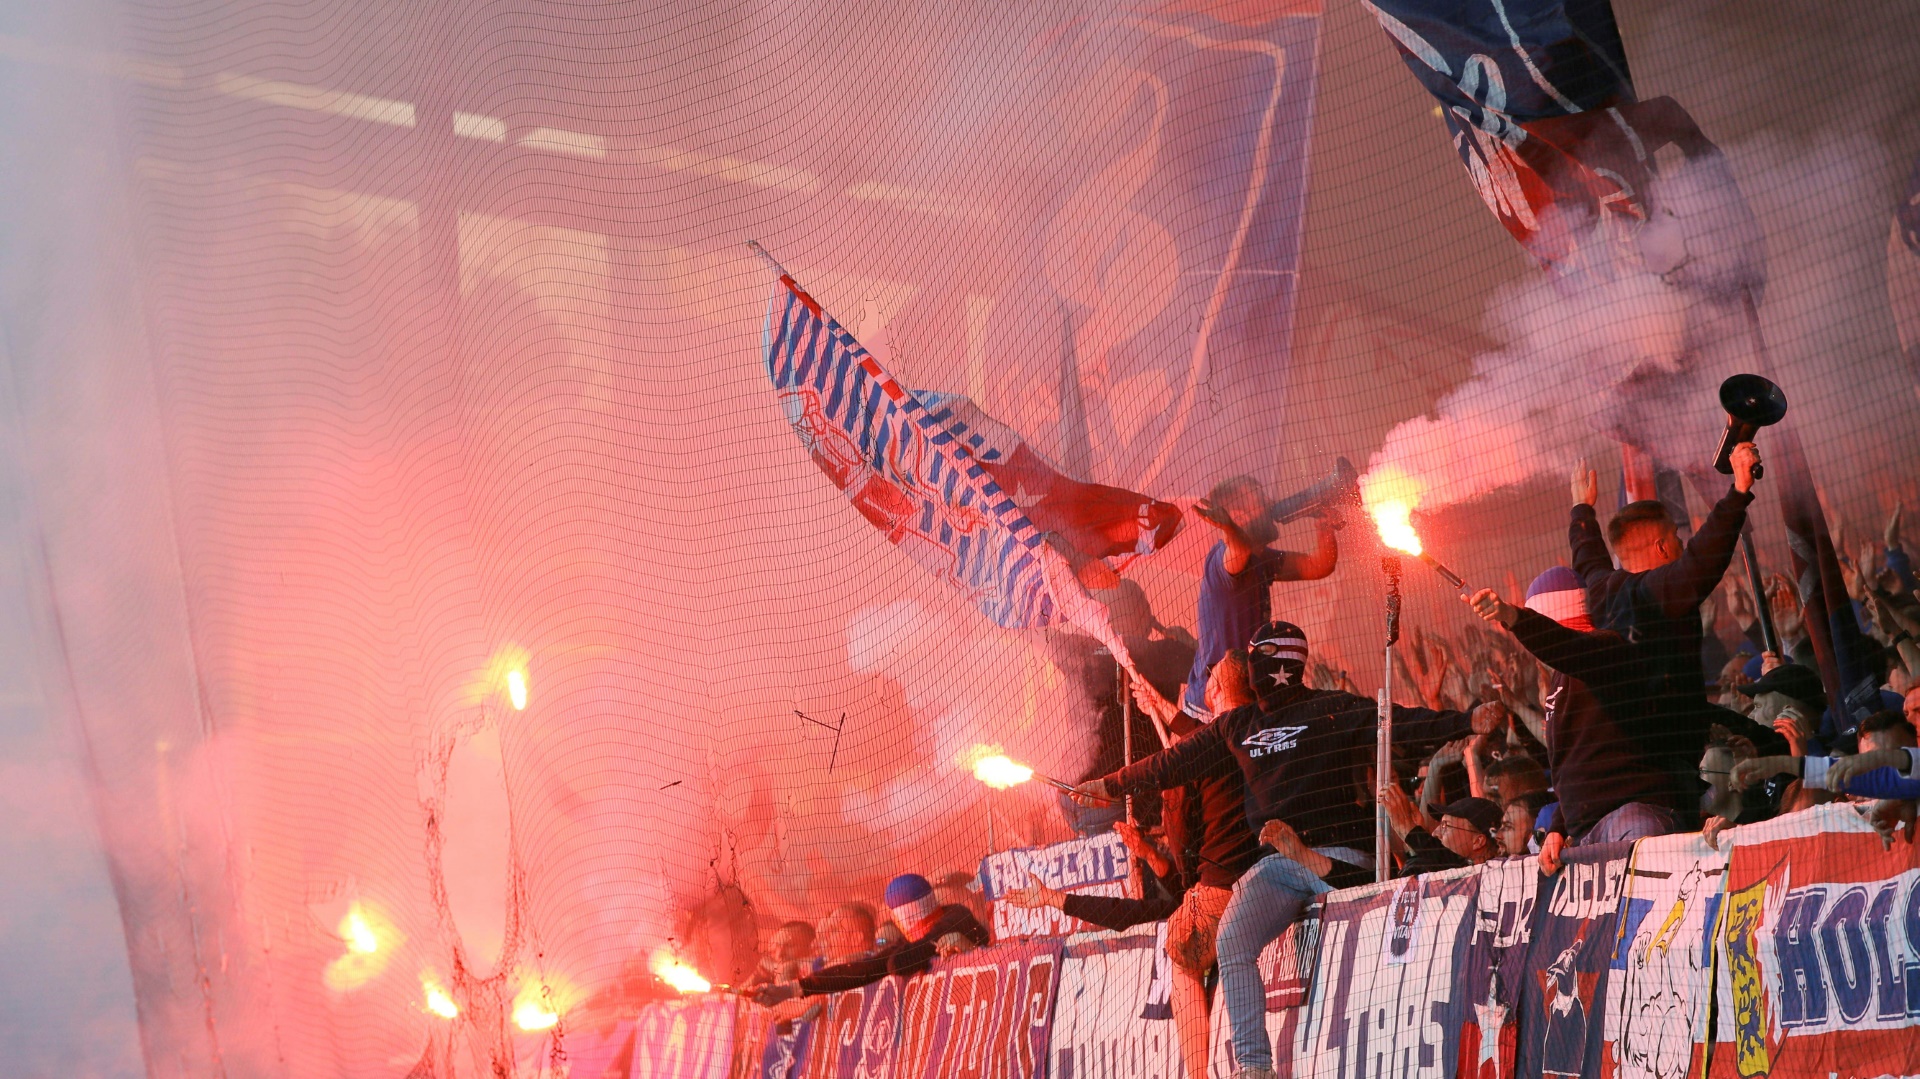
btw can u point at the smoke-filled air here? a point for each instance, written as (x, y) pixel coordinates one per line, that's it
(509, 506)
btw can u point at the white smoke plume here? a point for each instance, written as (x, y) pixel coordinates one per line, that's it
(1626, 344)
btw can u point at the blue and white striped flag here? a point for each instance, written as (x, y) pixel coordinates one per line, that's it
(914, 473)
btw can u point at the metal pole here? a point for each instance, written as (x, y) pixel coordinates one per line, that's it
(1126, 725)
(1383, 739)
(1761, 607)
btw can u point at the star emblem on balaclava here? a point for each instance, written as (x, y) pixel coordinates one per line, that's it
(1283, 677)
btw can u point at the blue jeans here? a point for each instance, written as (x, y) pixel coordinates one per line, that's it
(1267, 899)
(1635, 820)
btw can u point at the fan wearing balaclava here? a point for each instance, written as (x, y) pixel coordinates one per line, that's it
(932, 930)
(1294, 748)
(1621, 769)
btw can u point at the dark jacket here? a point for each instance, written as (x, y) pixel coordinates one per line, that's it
(905, 958)
(1162, 898)
(1295, 760)
(1206, 823)
(1428, 855)
(1659, 609)
(1605, 745)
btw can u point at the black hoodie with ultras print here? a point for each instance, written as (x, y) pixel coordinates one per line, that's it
(1295, 750)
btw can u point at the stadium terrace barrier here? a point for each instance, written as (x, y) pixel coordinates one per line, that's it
(1792, 952)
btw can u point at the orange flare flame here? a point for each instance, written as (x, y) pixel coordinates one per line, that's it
(439, 1001)
(1000, 772)
(1394, 519)
(683, 978)
(529, 1013)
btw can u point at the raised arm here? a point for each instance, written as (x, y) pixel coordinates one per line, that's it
(1429, 726)
(1591, 559)
(1681, 586)
(1295, 566)
(1586, 656)
(1240, 546)
(1201, 755)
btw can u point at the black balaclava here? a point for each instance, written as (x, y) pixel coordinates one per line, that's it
(1277, 662)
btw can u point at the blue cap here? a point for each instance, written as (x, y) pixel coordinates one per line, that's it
(1557, 579)
(907, 888)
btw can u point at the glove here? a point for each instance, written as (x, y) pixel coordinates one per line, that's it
(768, 995)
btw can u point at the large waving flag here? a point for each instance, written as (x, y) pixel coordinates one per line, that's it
(915, 473)
(1543, 113)
(1088, 520)
(1544, 116)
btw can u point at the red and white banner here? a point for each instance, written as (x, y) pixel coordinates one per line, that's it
(1820, 937)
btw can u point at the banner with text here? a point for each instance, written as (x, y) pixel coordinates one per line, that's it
(1820, 941)
(1094, 865)
(1563, 991)
(692, 1038)
(1108, 984)
(1492, 965)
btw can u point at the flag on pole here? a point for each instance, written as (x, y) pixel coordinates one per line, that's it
(1089, 520)
(915, 473)
(1541, 106)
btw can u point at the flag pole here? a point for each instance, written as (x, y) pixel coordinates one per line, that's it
(1383, 739)
(1126, 725)
(1828, 615)
(772, 263)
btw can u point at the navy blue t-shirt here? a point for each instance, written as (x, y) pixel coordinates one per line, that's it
(1232, 606)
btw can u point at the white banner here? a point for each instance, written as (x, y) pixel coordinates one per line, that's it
(1095, 865)
(1660, 983)
(1098, 1032)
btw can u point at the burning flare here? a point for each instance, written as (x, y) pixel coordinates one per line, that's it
(1000, 772)
(1390, 496)
(369, 940)
(517, 689)
(531, 1011)
(358, 933)
(683, 978)
(1394, 519)
(439, 1002)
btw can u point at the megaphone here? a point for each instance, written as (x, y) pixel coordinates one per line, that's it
(1751, 402)
(1340, 485)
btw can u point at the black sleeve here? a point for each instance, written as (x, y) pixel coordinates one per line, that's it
(1425, 726)
(1202, 755)
(909, 959)
(1679, 587)
(1118, 912)
(1592, 562)
(906, 959)
(1425, 854)
(1586, 656)
(1421, 841)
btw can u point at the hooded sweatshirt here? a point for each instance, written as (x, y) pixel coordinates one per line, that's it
(1294, 749)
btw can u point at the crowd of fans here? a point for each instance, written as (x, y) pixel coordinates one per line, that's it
(1629, 695)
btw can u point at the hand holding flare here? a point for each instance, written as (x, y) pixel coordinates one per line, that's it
(1394, 519)
(1001, 772)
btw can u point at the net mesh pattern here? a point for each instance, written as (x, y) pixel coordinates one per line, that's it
(428, 556)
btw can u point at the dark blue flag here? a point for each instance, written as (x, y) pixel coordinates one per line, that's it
(1542, 110)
